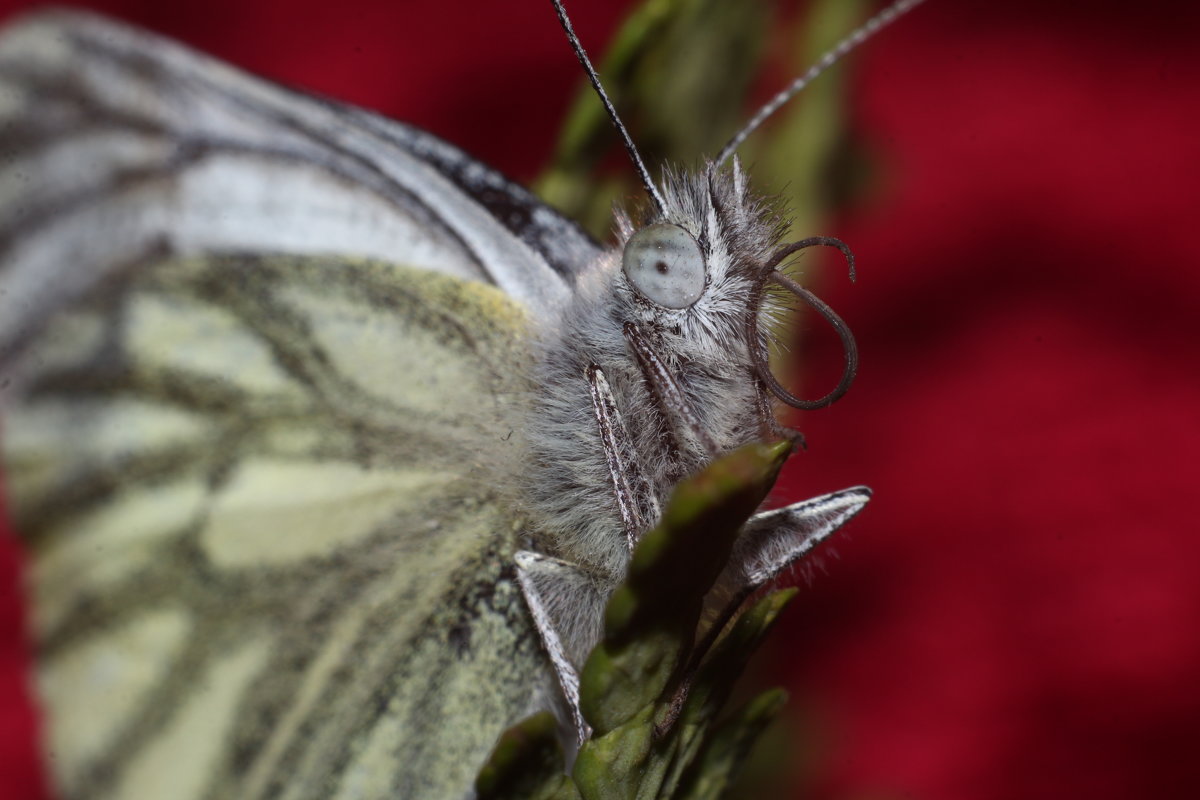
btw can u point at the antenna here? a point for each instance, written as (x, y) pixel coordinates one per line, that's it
(638, 164)
(831, 57)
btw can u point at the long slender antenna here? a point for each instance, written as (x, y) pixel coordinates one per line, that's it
(638, 164)
(831, 57)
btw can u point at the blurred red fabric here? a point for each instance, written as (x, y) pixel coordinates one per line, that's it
(1017, 614)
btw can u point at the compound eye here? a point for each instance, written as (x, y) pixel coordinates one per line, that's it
(665, 264)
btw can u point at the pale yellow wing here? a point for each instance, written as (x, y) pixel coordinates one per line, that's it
(269, 557)
(261, 469)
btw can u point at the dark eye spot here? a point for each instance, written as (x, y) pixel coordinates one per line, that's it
(661, 266)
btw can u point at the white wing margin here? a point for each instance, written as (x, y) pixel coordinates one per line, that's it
(144, 149)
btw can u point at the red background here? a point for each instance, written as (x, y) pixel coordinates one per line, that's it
(1017, 615)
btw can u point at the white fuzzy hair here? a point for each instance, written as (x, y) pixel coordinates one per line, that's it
(567, 488)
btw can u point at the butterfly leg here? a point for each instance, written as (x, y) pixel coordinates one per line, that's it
(560, 595)
(635, 499)
(770, 543)
(774, 540)
(665, 389)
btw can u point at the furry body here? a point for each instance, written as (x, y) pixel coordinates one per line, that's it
(572, 505)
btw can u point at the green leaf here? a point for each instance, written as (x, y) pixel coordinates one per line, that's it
(651, 699)
(713, 682)
(618, 764)
(652, 617)
(715, 769)
(527, 763)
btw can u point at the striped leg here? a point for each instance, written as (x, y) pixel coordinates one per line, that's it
(635, 498)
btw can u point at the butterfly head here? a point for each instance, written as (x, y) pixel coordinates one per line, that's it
(700, 266)
(700, 275)
(701, 258)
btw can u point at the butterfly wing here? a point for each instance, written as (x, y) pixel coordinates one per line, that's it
(262, 357)
(121, 145)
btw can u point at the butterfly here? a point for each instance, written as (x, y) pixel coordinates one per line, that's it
(330, 442)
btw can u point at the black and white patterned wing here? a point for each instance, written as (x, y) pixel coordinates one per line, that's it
(262, 358)
(122, 146)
